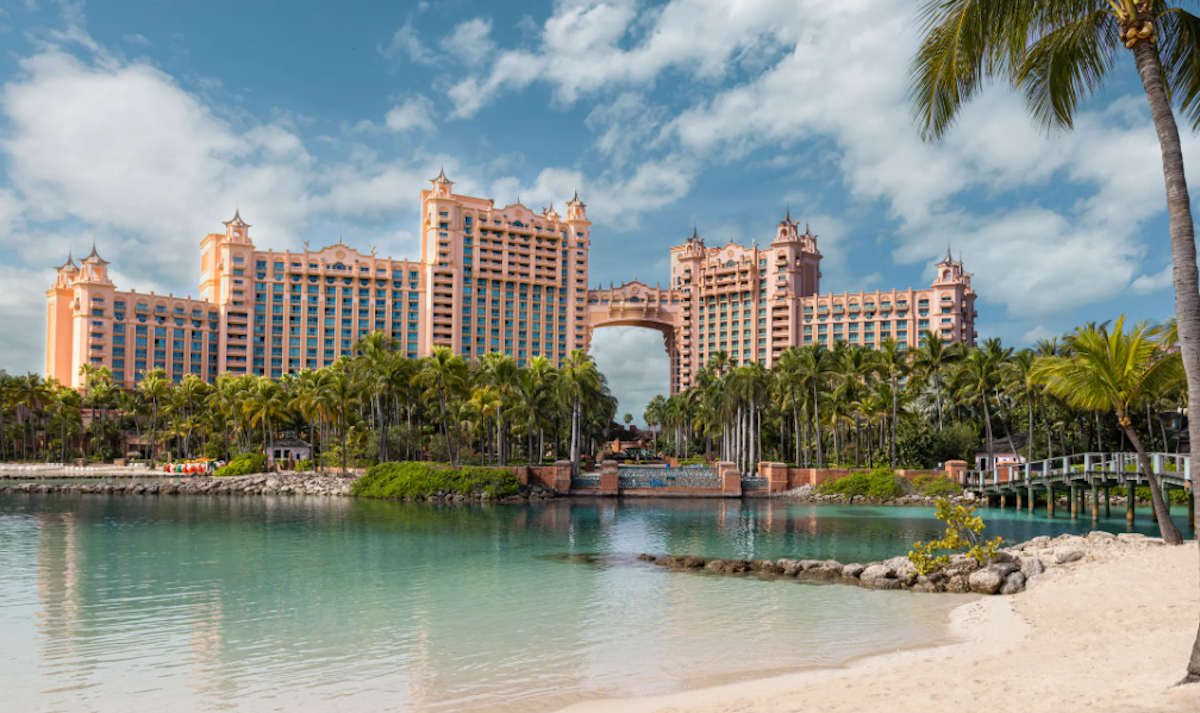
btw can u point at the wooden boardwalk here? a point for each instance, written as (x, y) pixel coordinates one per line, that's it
(1079, 476)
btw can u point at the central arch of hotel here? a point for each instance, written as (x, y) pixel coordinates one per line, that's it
(636, 304)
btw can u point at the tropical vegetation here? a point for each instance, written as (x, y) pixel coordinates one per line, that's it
(376, 406)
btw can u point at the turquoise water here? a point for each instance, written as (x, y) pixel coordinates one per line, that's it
(256, 604)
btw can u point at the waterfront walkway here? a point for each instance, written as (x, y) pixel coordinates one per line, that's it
(1078, 476)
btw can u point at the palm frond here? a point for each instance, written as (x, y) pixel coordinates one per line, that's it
(1179, 52)
(1066, 65)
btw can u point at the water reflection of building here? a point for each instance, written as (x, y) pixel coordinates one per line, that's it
(58, 585)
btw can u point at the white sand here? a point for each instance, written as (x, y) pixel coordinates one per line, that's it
(1110, 633)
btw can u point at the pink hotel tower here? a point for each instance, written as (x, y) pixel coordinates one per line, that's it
(489, 279)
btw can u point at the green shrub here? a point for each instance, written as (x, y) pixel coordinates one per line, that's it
(698, 460)
(244, 464)
(421, 480)
(305, 464)
(880, 484)
(936, 486)
(963, 529)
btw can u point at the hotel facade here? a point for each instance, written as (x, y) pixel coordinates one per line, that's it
(489, 279)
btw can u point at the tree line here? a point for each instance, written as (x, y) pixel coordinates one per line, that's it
(377, 405)
(854, 406)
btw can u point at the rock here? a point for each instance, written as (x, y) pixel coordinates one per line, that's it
(789, 568)
(853, 570)
(1013, 583)
(881, 583)
(809, 564)
(1101, 537)
(1132, 538)
(878, 570)
(985, 581)
(768, 567)
(1038, 543)
(647, 558)
(1032, 567)
(1063, 556)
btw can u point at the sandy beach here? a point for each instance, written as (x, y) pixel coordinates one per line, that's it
(1109, 633)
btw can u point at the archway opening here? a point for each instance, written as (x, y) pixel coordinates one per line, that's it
(636, 364)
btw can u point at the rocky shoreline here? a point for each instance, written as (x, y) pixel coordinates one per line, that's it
(254, 484)
(1011, 571)
(302, 483)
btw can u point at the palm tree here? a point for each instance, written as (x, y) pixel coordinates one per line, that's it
(443, 373)
(655, 411)
(813, 368)
(894, 364)
(154, 387)
(1058, 52)
(580, 382)
(1115, 370)
(928, 360)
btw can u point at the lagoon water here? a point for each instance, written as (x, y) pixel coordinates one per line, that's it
(313, 604)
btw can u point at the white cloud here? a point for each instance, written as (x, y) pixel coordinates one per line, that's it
(136, 40)
(1037, 333)
(1162, 280)
(635, 362)
(470, 42)
(582, 48)
(406, 42)
(624, 125)
(415, 112)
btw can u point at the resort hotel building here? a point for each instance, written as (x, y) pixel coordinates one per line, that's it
(489, 279)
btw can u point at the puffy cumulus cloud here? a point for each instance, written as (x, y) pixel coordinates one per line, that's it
(1161, 280)
(470, 42)
(415, 112)
(848, 71)
(406, 42)
(117, 152)
(635, 362)
(1038, 333)
(623, 125)
(588, 45)
(23, 304)
(616, 200)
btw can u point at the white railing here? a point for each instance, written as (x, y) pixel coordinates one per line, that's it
(1171, 465)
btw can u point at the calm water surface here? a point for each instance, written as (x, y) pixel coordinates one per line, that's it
(262, 604)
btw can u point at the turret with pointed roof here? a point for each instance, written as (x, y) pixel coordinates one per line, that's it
(236, 221)
(94, 257)
(69, 265)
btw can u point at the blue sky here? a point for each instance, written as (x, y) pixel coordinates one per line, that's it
(140, 124)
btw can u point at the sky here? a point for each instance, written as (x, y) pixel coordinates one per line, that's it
(142, 124)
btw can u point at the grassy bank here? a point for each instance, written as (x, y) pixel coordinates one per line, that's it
(422, 480)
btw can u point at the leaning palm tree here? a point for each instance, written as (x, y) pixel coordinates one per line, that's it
(1114, 370)
(1058, 52)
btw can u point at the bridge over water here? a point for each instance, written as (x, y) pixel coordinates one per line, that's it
(1080, 475)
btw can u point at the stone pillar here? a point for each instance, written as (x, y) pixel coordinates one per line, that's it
(609, 478)
(1050, 500)
(1107, 501)
(731, 479)
(1191, 509)
(1018, 500)
(1095, 503)
(956, 470)
(776, 475)
(1032, 499)
(562, 476)
(1074, 502)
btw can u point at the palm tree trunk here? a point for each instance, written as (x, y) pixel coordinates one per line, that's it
(1170, 533)
(817, 421)
(893, 420)
(937, 386)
